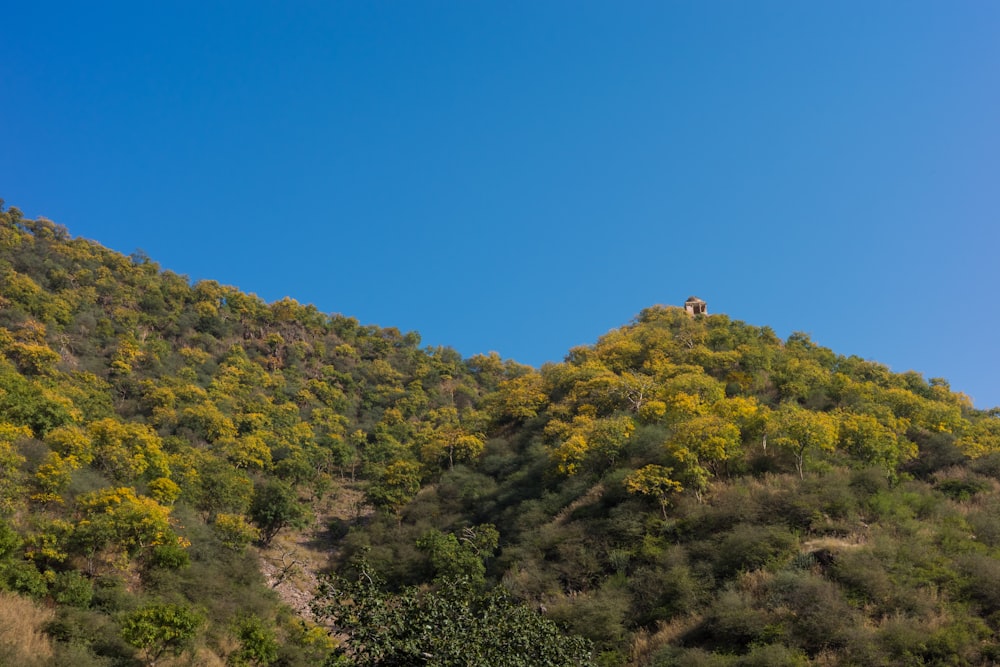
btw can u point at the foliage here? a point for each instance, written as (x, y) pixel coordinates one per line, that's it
(159, 629)
(654, 481)
(275, 506)
(461, 557)
(451, 625)
(258, 643)
(683, 491)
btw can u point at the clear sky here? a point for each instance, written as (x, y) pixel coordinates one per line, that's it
(525, 176)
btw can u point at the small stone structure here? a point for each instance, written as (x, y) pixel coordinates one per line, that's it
(695, 306)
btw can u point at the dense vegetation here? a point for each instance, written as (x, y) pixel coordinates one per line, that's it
(686, 491)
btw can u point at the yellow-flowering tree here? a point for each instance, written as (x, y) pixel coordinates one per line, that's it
(799, 431)
(656, 482)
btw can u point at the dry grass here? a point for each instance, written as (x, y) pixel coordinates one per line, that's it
(834, 543)
(592, 495)
(645, 644)
(294, 558)
(22, 639)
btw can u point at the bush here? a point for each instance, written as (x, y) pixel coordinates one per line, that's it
(988, 465)
(862, 574)
(23, 577)
(87, 639)
(111, 595)
(169, 556)
(668, 589)
(985, 524)
(773, 655)
(961, 490)
(982, 581)
(72, 588)
(814, 612)
(455, 623)
(734, 622)
(747, 547)
(598, 616)
(691, 657)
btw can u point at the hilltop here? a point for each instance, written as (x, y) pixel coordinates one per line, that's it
(688, 490)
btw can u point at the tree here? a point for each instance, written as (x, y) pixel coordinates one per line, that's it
(26, 403)
(451, 625)
(518, 398)
(798, 430)
(258, 644)
(126, 451)
(867, 439)
(394, 485)
(454, 556)
(157, 629)
(275, 506)
(637, 389)
(707, 440)
(587, 440)
(234, 531)
(655, 482)
(982, 438)
(453, 437)
(118, 518)
(53, 476)
(222, 489)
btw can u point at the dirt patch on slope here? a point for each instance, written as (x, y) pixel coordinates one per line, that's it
(294, 559)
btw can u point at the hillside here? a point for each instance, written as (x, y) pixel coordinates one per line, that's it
(686, 491)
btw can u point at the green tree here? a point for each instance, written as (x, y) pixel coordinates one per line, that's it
(275, 506)
(394, 486)
(454, 624)
(26, 403)
(222, 489)
(258, 643)
(461, 556)
(161, 629)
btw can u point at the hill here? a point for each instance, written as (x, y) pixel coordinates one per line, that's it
(689, 490)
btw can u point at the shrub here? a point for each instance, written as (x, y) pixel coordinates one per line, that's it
(23, 577)
(747, 547)
(985, 524)
(169, 556)
(815, 613)
(773, 655)
(691, 657)
(161, 629)
(72, 588)
(666, 589)
(734, 622)
(598, 616)
(862, 574)
(961, 489)
(982, 581)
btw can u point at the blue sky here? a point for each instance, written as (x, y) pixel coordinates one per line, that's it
(525, 176)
